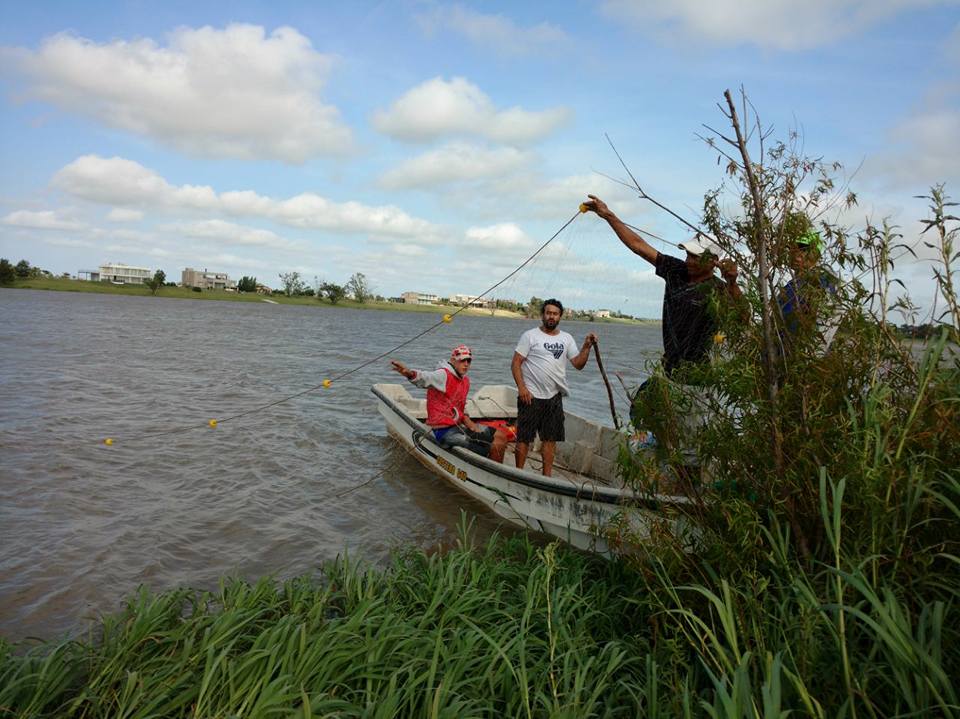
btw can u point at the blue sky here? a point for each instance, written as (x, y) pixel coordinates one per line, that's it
(433, 146)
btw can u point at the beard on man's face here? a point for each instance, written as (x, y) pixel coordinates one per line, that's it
(550, 323)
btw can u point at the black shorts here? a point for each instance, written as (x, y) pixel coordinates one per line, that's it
(543, 417)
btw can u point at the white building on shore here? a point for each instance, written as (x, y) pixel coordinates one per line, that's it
(118, 273)
(470, 301)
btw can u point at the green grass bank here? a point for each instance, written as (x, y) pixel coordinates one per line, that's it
(57, 284)
(510, 629)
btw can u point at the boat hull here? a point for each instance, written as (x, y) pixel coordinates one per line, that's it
(578, 512)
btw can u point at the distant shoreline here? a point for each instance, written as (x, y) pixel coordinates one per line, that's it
(185, 293)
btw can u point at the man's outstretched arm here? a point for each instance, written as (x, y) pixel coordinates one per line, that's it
(631, 239)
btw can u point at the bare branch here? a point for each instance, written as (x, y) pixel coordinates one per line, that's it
(720, 135)
(645, 196)
(615, 152)
(614, 179)
(714, 147)
(761, 243)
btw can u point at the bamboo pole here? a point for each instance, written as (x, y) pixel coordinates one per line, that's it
(606, 382)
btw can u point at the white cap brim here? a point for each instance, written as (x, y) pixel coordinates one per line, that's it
(697, 248)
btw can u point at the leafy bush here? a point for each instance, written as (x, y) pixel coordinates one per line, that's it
(7, 272)
(247, 284)
(823, 567)
(158, 281)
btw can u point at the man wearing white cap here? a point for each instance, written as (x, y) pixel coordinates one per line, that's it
(688, 325)
(447, 388)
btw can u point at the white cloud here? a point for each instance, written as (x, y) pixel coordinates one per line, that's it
(66, 242)
(531, 194)
(777, 24)
(42, 220)
(138, 250)
(920, 152)
(439, 108)
(234, 234)
(564, 195)
(120, 214)
(315, 212)
(234, 92)
(455, 162)
(503, 236)
(497, 32)
(225, 259)
(410, 250)
(144, 238)
(931, 134)
(118, 181)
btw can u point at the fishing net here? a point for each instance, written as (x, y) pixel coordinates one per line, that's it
(502, 272)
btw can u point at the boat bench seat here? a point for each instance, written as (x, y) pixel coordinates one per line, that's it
(589, 449)
(416, 407)
(490, 401)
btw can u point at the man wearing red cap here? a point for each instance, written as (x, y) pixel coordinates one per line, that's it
(447, 388)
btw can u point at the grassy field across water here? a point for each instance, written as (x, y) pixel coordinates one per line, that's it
(59, 284)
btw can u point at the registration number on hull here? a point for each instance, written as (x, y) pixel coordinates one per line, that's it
(448, 466)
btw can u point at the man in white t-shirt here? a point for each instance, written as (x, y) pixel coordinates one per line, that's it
(540, 370)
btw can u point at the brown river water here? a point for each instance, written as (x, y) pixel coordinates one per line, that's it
(82, 525)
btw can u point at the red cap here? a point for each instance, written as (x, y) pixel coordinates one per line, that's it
(461, 352)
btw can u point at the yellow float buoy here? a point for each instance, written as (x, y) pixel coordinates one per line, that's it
(327, 383)
(108, 441)
(212, 423)
(719, 338)
(583, 207)
(448, 318)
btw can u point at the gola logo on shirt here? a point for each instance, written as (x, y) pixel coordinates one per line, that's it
(554, 348)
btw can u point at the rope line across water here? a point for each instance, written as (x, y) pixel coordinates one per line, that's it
(327, 383)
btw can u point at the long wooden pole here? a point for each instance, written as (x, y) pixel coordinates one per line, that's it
(606, 382)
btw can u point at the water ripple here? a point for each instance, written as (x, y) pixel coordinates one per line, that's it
(82, 525)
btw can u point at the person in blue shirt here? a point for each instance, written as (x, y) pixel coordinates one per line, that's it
(804, 299)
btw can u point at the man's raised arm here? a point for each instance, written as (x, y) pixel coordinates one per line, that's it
(627, 236)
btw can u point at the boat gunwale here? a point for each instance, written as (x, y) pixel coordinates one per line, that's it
(611, 495)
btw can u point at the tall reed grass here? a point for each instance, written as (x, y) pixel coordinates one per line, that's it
(513, 629)
(506, 629)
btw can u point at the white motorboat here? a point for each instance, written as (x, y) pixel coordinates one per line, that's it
(577, 504)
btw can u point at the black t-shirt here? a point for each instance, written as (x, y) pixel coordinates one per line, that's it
(688, 323)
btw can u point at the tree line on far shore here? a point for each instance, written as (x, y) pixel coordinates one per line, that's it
(358, 289)
(23, 270)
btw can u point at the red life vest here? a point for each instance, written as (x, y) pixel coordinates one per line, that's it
(445, 409)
